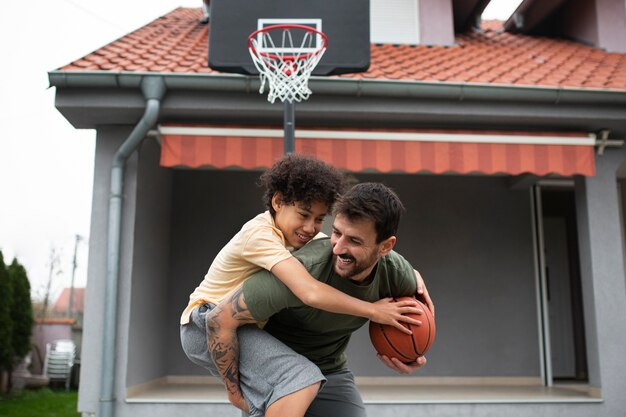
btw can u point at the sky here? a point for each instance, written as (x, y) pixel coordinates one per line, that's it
(46, 165)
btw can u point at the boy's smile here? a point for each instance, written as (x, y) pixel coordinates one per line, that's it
(299, 222)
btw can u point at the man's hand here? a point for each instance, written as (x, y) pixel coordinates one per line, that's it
(400, 367)
(422, 293)
(238, 401)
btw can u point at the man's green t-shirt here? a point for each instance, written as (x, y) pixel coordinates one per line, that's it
(319, 335)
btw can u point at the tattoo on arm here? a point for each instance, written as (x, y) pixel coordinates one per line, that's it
(239, 308)
(221, 328)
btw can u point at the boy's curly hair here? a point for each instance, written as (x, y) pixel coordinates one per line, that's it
(303, 179)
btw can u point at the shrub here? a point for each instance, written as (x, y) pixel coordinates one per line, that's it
(6, 323)
(22, 310)
(16, 316)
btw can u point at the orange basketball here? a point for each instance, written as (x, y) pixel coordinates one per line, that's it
(391, 342)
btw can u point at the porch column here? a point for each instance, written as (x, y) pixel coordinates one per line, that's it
(603, 280)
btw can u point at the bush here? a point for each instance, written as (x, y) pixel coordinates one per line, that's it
(6, 322)
(22, 310)
(16, 316)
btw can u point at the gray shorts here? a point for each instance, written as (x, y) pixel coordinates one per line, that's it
(268, 369)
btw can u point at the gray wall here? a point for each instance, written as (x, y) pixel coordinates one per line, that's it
(208, 208)
(147, 352)
(612, 26)
(436, 22)
(602, 271)
(471, 239)
(107, 142)
(469, 236)
(601, 23)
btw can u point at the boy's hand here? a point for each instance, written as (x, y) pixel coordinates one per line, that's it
(422, 292)
(387, 311)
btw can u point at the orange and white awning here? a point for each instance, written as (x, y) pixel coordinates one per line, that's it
(383, 150)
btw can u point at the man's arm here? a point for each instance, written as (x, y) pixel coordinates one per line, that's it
(408, 279)
(405, 277)
(422, 292)
(221, 328)
(400, 367)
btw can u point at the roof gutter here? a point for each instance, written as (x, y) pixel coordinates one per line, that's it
(346, 87)
(153, 89)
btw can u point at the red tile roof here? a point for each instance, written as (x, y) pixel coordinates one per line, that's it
(53, 320)
(78, 301)
(176, 43)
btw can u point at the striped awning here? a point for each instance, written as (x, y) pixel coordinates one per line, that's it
(389, 150)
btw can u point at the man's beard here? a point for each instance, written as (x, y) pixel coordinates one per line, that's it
(352, 270)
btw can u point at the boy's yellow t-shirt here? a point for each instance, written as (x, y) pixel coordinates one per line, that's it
(258, 245)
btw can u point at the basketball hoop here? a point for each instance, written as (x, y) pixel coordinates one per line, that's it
(285, 64)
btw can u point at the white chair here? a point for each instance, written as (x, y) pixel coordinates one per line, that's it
(59, 361)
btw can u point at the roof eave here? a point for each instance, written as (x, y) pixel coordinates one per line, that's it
(346, 87)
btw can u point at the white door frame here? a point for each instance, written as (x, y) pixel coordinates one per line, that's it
(541, 281)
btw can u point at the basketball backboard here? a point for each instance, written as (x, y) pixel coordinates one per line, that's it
(346, 24)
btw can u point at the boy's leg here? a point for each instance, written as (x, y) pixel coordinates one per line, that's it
(271, 373)
(268, 369)
(339, 398)
(294, 404)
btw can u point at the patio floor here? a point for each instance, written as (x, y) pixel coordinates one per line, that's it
(192, 389)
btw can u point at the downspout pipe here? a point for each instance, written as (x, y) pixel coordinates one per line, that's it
(153, 89)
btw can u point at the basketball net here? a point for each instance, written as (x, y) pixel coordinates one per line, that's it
(286, 67)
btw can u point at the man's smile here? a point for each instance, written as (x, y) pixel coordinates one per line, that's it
(345, 259)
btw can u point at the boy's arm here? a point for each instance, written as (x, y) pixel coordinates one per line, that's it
(221, 328)
(324, 297)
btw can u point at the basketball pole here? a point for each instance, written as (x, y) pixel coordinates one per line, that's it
(290, 127)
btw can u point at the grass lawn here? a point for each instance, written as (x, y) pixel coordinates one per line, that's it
(44, 402)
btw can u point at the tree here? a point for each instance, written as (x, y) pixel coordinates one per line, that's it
(54, 263)
(6, 323)
(16, 316)
(22, 311)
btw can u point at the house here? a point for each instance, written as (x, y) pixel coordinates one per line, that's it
(72, 299)
(75, 296)
(504, 141)
(48, 330)
(58, 325)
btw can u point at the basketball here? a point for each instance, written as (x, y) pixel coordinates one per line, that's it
(391, 342)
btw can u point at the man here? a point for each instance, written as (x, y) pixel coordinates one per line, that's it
(285, 378)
